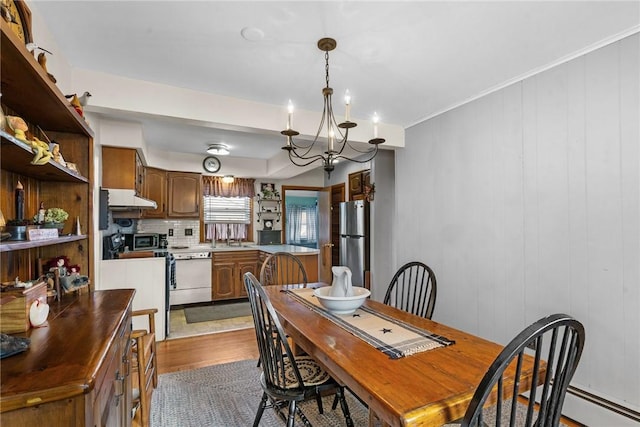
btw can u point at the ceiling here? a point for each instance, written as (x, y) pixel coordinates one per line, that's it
(407, 61)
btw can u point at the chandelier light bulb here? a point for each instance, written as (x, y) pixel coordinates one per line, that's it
(347, 104)
(289, 115)
(375, 120)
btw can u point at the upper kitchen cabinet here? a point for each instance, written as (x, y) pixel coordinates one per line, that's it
(184, 195)
(358, 183)
(155, 188)
(122, 168)
(29, 93)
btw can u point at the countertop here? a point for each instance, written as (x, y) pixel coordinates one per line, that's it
(297, 250)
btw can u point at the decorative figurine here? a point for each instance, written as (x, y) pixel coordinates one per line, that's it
(19, 201)
(41, 151)
(55, 152)
(18, 126)
(42, 60)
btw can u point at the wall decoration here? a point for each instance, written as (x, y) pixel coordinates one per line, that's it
(268, 190)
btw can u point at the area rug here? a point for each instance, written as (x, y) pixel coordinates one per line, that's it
(228, 395)
(218, 311)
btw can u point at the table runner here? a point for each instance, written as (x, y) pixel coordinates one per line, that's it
(392, 336)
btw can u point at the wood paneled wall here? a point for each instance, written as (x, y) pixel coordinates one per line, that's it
(526, 202)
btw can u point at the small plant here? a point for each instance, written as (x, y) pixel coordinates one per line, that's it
(56, 215)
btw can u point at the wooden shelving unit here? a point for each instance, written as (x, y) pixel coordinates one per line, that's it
(28, 93)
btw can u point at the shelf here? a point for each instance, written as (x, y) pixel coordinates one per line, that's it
(17, 155)
(27, 244)
(28, 90)
(271, 210)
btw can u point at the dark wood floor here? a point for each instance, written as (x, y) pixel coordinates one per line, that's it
(205, 350)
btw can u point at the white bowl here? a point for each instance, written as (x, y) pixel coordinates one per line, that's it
(341, 305)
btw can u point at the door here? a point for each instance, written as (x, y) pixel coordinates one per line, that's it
(324, 235)
(337, 197)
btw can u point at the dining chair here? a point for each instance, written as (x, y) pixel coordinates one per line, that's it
(285, 378)
(282, 268)
(560, 339)
(144, 368)
(413, 289)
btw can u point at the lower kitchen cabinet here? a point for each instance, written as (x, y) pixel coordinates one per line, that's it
(310, 264)
(76, 370)
(228, 270)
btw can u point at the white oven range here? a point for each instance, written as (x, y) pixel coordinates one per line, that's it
(192, 279)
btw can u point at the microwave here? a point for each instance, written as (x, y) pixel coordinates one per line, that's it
(142, 241)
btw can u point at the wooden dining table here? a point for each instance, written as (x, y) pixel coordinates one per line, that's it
(429, 388)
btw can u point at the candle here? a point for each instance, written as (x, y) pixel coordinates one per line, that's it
(347, 106)
(376, 119)
(19, 196)
(331, 138)
(289, 115)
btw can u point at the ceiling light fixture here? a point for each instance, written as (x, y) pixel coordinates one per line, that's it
(218, 149)
(228, 179)
(300, 154)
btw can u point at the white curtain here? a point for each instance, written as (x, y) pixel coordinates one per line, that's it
(224, 231)
(302, 224)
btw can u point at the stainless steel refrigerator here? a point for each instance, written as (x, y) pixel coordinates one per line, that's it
(354, 239)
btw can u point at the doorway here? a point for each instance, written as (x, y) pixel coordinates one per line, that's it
(328, 222)
(300, 217)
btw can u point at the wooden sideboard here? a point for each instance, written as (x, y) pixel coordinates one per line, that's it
(76, 370)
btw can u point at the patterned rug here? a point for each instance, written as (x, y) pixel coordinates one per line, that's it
(228, 395)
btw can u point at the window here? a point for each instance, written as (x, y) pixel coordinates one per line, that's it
(302, 223)
(227, 217)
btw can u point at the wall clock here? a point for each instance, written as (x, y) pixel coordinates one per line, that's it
(268, 224)
(211, 164)
(18, 15)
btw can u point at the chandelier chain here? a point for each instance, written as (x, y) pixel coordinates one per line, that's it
(326, 66)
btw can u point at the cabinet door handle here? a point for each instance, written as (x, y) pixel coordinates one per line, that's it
(119, 385)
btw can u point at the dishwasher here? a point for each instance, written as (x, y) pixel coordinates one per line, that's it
(193, 278)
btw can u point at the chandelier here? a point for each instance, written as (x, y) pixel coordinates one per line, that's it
(337, 134)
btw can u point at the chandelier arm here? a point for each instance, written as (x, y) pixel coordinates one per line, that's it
(374, 152)
(304, 155)
(311, 160)
(361, 151)
(306, 149)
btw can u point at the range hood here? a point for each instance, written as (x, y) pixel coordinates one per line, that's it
(121, 199)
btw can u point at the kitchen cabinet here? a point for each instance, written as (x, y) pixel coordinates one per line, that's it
(122, 168)
(310, 264)
(27, 92)
(184, 195)
(155, 188)
(228, 270)
(76, 371)
(357, 183)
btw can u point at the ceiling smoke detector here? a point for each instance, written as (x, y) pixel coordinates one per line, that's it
(218, 149)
